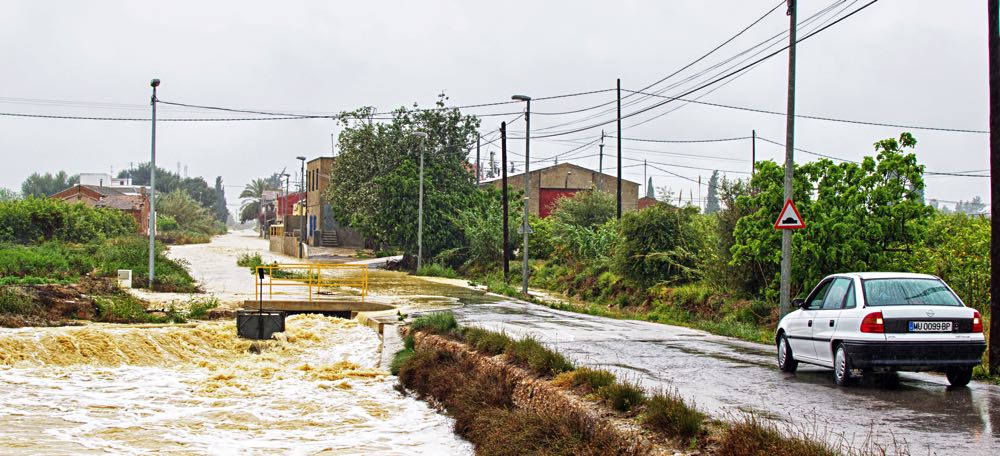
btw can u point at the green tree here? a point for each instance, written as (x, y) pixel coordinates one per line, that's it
(219, 208)
(587, 209)
(7, 194)
(252, 195)
(712, 203)
(188, 214)
(957, 250)
(48, 184)
(167, 182)
(658, 244)
(374, 181)
(859, 217)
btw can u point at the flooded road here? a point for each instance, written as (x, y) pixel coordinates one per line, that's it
(725, 376)
(197, 389)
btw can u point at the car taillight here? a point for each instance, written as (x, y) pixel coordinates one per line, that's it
(873, 323)
(977, 322)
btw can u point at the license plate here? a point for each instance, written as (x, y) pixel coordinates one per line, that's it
(930, 326)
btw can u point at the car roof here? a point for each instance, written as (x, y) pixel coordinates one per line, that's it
(885, 275)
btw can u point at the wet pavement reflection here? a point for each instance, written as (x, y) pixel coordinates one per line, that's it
(726, 377)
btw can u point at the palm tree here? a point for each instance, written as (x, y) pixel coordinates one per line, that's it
(252, 195)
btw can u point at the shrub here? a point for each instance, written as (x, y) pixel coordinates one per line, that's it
(586, 209)
(122, 308)
(658, 244)
(198, 307)
(187, 214)
(490, 342)
(33, 220)
(15, 300)
(622, 396)
(48, 260)
(668, 413)
(528, 352)
(182, 237)
(436, 270)
(166, 223)
(399, 359)
(592, 379)
(132, 252)
(250, 260)
(442, 323)
(753, 436)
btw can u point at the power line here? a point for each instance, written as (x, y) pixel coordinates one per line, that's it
(830, 119)
(831, 157)
(683, 141)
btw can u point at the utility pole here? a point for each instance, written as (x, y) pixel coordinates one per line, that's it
(753, 152)
(506, 203)
(152, 188)
(644, 177)
(333, 146)
(619, 140)
(700, 202)
(479, 139)
(993, 12)
(600, 164)
(525, 228)
(786, 235)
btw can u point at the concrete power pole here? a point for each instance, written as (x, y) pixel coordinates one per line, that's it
(786, 235)
(619, 140)
(600, 164)
(993, 11)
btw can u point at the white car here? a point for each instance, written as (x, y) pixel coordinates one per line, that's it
(882, 322)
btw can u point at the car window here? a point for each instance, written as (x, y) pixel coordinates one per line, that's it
(908, 292)
(851, 301)
(815, 301)
(835, 297)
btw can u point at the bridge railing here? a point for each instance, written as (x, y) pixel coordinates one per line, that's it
(308, 281)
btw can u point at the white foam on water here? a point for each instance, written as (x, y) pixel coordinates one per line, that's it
(197, 390)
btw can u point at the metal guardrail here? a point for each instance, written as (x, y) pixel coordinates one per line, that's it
(290, 279)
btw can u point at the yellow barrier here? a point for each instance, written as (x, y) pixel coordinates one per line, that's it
(289, 278)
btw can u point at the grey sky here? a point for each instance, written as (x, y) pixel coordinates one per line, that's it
(918, 62)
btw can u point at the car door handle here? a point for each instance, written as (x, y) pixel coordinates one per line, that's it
(831, 323)
(809, 324)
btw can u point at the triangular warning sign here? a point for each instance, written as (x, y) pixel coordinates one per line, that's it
(789, 218)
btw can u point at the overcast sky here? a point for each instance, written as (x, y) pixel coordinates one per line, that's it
(912, 62)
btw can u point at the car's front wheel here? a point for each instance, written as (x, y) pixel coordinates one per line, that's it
(959, 376)
(786, 362)
(842, 367)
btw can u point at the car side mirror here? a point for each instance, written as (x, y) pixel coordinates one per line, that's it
(798, 303)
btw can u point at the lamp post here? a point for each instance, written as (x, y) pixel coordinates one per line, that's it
(420, 201)
(305, 208)
(527, 186)
(152, 187)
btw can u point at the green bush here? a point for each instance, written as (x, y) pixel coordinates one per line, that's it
(132, 252)
(187, 214)
(528, 352)
(622, 396)
(166, 223)
(586, 209)
(442, 323)
(957, 250)
(198, 307)
(48, 260)
(668, 413)
(436, 270)
(182, 237)
(122, 308)
(489, 342)
(592, 379)
(33, 220)
(15, 300)
(399, 359)
(658, 244)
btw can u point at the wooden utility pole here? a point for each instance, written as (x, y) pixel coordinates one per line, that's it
(600, 164)
(506, 202)
(479, 139)
(785, 303)
(994, 59)
(753, 152)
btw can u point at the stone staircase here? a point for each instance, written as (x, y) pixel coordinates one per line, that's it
(329, 239)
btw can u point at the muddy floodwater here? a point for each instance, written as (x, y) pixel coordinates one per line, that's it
(198, 389)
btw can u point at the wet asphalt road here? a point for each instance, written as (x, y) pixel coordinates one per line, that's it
(725, 376)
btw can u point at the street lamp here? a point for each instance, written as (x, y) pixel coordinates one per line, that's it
(527, 190)
(152, 187)
(305, 208)
(420, 201)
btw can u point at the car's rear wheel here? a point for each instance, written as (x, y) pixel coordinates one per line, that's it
(786, 362)
(842, 367)
(959, 376)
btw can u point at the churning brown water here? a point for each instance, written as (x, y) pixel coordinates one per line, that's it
(197, 389)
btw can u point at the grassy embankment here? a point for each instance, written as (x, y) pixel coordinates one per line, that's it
(58, 261)
(482, 402)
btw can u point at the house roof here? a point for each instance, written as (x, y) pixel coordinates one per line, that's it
(564, 165)
(122, 202)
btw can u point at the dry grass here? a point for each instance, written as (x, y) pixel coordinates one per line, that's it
(667, 413)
